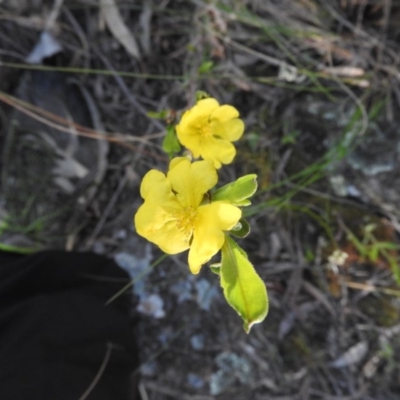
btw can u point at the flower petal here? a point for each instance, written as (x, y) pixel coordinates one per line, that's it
(192, 122)
(221, 214)
(152, 179)
(191, 181)
(218, 150)
(189, 137)
(198, 114)
(160, 193)
(176, 160)
(157, 224)
(231, 130)
(206, 106)
(224, 113)
(208, 237)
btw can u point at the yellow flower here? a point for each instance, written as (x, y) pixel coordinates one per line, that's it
(174, 216)
(208, 129)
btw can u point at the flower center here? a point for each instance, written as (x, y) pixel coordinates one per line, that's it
(205, 130)
(185, 219)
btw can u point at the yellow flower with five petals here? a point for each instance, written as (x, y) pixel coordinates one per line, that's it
(207, 130)
(175, 217)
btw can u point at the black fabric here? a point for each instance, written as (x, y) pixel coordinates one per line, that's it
(56, 331)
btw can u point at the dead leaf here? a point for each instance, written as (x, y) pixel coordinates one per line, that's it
(47, 46)
(352, 356)
(345, 71)
(117, 27)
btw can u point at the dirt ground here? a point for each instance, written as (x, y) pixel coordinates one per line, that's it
(317, 84)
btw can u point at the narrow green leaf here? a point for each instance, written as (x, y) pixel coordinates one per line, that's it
(243, 288)
(16, 249)
(386, 245)
(374, 254)
(241, 230)
(170, 143)
(157, 114)
(237, 192)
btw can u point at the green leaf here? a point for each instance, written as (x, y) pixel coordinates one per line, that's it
(241, 230)
(216, 268)
(157, 114)
(237, 192)
(243, 288)
(290, 138)
(170, 143)
(206, 66)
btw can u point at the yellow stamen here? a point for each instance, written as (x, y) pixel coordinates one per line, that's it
(185, 219)
(205, 130)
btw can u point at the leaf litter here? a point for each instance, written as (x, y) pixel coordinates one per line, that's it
(306, 77)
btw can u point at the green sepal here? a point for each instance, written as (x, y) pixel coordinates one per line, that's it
(243, 288)
(200, 95)
(241, 230)
(170, 143)
(216, 268)
(237, 193)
